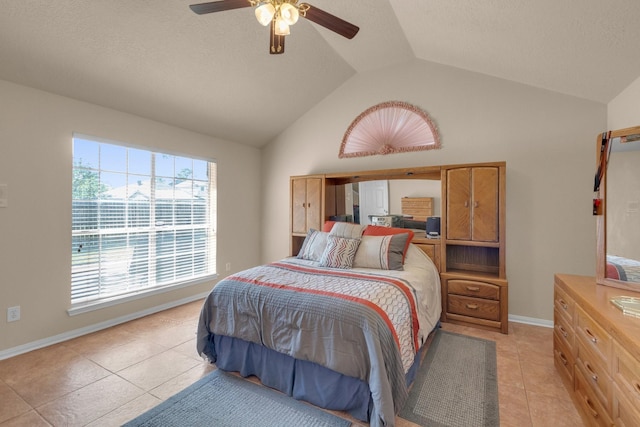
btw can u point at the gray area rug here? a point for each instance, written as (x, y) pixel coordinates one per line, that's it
(222, 399)
(456, 386)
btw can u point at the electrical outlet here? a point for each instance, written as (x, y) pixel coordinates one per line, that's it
(228, 266)
(13, 314)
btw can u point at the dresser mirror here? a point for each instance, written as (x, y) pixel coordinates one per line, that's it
(618, 227)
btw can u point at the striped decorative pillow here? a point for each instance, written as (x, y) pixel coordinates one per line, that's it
(314, 245)
(340, 252)
(381, 252)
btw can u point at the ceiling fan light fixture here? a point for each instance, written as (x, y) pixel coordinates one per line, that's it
(289, 13)
(282, 28)
(265, 13)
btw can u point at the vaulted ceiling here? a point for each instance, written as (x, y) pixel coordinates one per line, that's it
(213, 73)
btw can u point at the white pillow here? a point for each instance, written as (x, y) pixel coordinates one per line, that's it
(314, 245)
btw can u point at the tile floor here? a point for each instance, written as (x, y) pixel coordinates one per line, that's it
(108, 377)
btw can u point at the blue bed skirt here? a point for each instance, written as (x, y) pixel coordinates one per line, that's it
(300, 379)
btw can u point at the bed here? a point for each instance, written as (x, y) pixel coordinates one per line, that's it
(342, 325)
(623, 269)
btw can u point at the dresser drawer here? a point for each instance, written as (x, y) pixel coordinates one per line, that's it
(473, 288)
(596, 414)
(624, 413)
(593, 336)
(473, 307)
(595, 372)
(563, 358)
(626, 373)
(564, 330)
(564, 304)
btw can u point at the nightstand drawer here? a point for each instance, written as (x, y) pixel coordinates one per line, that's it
(474, 289)
(473, 307)
(431, 249)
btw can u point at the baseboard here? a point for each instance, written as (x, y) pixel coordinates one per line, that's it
(531, 321)
(35, 345)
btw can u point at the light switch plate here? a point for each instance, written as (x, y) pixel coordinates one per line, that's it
(4, 195)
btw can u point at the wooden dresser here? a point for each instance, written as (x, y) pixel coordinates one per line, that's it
(597, 351)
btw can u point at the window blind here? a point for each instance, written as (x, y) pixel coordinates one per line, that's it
(141, 220)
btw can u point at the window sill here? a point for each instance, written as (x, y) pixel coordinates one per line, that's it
(86, 307)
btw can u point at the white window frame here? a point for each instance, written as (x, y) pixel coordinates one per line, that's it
(126, 270)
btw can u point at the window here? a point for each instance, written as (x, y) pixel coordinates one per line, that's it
(141, 221)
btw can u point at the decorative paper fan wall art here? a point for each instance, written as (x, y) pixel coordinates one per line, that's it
(389, 127)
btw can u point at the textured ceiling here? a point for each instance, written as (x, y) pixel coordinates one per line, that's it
(213, 74)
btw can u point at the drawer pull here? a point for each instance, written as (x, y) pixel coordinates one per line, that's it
(473, 288)
(472, 306)
(563, 304)
(563, 331)
(589, 403)
(563, 359)
(592, 337)
(594, 376)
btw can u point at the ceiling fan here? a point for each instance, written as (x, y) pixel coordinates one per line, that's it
(281, 14)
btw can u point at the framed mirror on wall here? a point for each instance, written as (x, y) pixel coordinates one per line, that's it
(618, 222)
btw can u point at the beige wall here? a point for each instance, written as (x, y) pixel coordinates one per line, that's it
(624, 110)
(547, 140)
(35, 229)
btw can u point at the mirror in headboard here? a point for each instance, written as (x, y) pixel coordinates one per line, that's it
(398, 183)
(618, 228)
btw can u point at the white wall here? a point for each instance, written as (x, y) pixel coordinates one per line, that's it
(547, 140)
(35, 229)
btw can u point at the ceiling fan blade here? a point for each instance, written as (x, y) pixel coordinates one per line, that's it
(330, 21)
(276, 42)
(219, 6)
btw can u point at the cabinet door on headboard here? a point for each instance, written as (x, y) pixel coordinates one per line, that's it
(306, 204)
